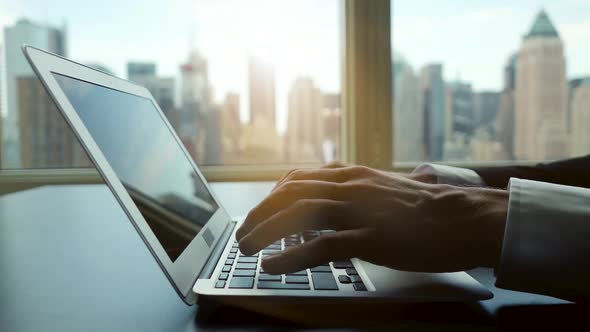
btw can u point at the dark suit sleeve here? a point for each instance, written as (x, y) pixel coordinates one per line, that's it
(572, 172)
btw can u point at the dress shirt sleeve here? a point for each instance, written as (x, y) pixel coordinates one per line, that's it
(451, 175)
(546, 246)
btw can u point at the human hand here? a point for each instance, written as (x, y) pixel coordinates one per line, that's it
(384, 218)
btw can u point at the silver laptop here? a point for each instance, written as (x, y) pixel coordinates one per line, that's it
(182, 223)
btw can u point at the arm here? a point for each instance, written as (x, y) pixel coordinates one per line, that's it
(571, 172)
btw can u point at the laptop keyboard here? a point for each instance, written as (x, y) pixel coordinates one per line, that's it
(245, 272)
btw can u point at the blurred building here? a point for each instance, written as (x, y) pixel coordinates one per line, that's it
(540, 94)
(261, 83)
(485, 148)
(304, 123)
(162, 88)
(408, 118)
(580, 137)
(22, 32)
(231, 128)
(194, 121)
(331, 118)
(432, 105)
(505, 120)
(46, 139)
(459, 118)
(486, 105)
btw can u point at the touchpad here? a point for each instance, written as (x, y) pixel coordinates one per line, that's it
(456, 286)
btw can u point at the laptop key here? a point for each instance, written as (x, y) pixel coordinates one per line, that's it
(241, 282)
(343, 265)
(255, 255)
(344, 279)
(278, 285)
(233, 250)
(296, 280)
(298, 273)
(229, 262)
(246, 266)
(244, 273)
(226, 268)
(223, 276)
(270, 252)
(324, 281)
(269, 277)
(247, 259)
(321, 268)
(359, 287)
(220, 284)
(231, 256)
(351, 271)
(355, 278)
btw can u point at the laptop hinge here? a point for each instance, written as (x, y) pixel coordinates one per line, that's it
(207, 270)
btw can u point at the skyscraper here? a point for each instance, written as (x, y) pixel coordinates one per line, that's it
(46, 139)
(408, 118)
(261, 81)
(486, 105)
(541, 94)
(505, 120)
(459, 106)
(23, 32)
(304, 124)
(162, 88)
(432, 106)
(231, 127)
(331, 118)
(196, 103)
(581, 118)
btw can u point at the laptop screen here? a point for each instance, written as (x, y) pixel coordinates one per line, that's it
(147, 159)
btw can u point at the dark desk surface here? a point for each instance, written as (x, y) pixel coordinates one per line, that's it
(70, 260)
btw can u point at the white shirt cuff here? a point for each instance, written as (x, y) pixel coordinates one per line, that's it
(451, 175)
(546, 246)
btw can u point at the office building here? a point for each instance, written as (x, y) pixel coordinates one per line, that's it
(140, 71)
(16, 66)
(505, 119)
(261, 84)
(580, 138)
(162, 88)
(408, 118)
(304, 123)
(541, 94)
(47, 141)
(331, 118)
(195, 104)
(432, 106)
(459, 119)
(231, 127)
(486, 105)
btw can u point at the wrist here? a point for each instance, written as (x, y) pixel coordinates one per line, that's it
(490, 208)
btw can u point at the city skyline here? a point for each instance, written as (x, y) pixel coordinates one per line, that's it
(445, 119)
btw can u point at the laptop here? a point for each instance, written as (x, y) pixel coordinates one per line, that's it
(183, 224)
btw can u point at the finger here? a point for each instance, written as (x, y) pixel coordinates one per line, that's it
(331, 173)
(335, 164)
(285, 197)
(281, 180)
(329, 247)
(305, 214)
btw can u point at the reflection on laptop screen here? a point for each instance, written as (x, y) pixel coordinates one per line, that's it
(147, 159)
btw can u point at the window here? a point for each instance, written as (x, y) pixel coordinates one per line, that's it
(483, 81)
(242, 82)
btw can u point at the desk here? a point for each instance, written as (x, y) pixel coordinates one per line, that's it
(71, 261)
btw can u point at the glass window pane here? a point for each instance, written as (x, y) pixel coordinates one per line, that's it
(490, 80)
(242, 82)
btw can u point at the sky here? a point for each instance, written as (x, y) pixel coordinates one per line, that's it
(473, 39)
